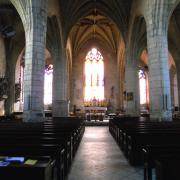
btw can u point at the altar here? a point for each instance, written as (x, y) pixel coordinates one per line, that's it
(95, 113)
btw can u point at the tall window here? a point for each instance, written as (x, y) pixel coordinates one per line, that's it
(48, 78)
(143, 86)
(22, 80)
(94, 76)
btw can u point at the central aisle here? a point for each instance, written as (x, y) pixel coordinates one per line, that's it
(100, 158)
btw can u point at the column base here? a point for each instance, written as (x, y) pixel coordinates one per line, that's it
(161, 115)
(60, 108)
(33, 116)
(132, 109)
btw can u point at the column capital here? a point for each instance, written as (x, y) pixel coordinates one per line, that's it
(158, 16)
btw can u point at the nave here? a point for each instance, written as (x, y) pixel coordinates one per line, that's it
(100, 158)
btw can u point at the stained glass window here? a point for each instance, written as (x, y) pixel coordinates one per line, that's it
(48, 78)
(143, 87)
(22, 79)
(94, 76)
(21, 83)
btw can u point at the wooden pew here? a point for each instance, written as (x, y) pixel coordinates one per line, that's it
(60, 129)
(167, 167)
(36, 140)
(133, 134)
(47, 132)
(56, 152)
(138, 141)
(154, 153)
(28, 168)
(51, 132)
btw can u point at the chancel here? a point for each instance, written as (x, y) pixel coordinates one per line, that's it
(105, 72)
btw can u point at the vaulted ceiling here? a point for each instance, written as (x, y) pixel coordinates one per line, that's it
(74, 10)
(104, 21)
(97, 28)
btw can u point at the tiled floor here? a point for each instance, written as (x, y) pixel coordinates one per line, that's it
(99, 158)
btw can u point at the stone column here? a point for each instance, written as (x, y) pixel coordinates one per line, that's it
(178, 82)
(9, 102)
(35, 31)
(172, 84)
(132, 105)
(176, 94)
(160, 94)
(60, 106)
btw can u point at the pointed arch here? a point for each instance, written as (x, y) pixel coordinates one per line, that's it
(20, 7)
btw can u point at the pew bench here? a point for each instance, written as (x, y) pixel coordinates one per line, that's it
(40, 170)
(167, 167)
(158, 153)
(136, 142)
(55, 152)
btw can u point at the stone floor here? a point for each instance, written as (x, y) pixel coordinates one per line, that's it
(99, 158)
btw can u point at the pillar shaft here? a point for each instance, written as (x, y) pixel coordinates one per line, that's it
(132, 90)
(178, 84)
(9, 102)
(172, 85)
(160, 94)
(35, 29)
(157, 28)
(60, 101)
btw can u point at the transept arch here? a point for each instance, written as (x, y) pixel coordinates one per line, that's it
(11, 30)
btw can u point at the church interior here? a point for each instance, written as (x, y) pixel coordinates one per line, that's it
(109, 64)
